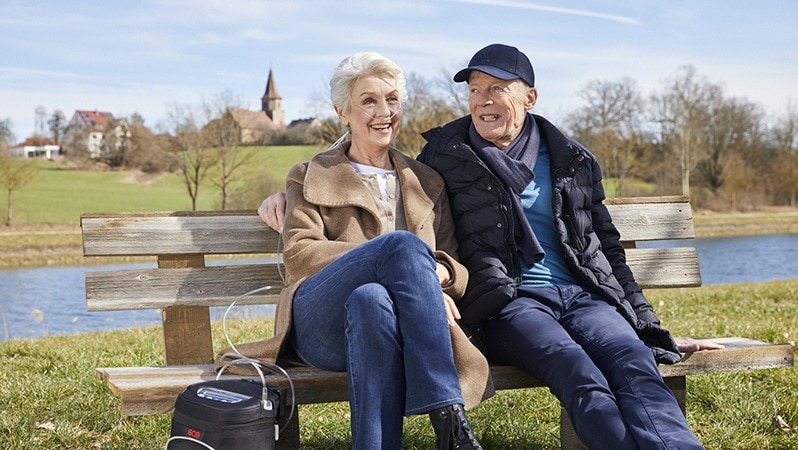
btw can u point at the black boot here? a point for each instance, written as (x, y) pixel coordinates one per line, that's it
(452, 430)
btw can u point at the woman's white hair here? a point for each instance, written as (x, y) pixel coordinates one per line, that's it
(359, 65)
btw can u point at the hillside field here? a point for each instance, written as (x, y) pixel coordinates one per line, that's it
(60, 194)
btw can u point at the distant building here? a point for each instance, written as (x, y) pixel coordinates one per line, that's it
(37, 147)
(87, 131)
(304, 125)
(255, 126)
(272, 103)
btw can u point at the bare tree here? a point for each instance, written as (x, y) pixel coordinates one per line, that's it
(194, 157)
(455, 95)
(785, 168)
(425, 108)
(56, 124)
(6, 134)
(682, 111)
(15, 173)
(116, 143)
(744, 189)
(733, 128)
(149, 152)
(224, 135)
(610, 125)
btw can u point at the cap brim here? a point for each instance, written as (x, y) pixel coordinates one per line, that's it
(490, 70)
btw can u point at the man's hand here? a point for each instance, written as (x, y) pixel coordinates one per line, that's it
(272, 211)
(452, 313)
(689, 345)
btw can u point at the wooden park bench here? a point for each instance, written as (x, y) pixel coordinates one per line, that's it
(183, 288)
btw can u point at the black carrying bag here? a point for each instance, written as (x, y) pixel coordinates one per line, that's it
(225, 414)
(230, 413)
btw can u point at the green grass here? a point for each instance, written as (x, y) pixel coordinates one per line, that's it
(50, 398)
(59, 194)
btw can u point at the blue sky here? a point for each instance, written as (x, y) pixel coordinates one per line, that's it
(140, 56)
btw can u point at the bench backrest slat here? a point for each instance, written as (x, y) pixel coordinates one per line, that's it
(203, 232)
(652, 220)
(220, 286)
(242, 232)
(164, 288)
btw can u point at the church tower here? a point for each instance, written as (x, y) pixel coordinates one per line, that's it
(271, 102)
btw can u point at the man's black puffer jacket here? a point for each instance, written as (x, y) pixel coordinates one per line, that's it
(590, 243)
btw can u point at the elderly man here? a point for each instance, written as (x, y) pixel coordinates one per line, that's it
(550, 291)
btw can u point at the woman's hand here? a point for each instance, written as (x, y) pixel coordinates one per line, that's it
(689, 345)
(452, 313)
(272, 211)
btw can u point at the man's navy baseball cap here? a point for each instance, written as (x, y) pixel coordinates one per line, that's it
(499, 61)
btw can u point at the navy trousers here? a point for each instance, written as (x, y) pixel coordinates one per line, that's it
(591, 359)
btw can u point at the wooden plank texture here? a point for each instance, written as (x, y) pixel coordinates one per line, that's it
(672, 267)
(198, 232)
(221, 285)
(186, 331)
(152, 390)
(239, 232)
(642, 219)
(159, 288)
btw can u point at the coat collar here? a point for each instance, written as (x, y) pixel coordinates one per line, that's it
(420, 186)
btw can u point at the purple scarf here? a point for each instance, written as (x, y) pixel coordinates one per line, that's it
(514, 167)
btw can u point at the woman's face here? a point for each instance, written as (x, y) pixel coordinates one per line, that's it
(498, 107)
(374, 112)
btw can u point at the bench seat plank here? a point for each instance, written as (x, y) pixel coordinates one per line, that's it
(153, 390)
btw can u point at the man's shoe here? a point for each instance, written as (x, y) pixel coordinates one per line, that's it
(452, 430)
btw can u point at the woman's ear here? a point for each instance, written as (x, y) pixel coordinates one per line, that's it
(342, 116)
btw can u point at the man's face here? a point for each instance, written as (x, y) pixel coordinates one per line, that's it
(498, 107)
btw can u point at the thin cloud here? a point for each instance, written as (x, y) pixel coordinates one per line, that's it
(24, 73)
(552, 9)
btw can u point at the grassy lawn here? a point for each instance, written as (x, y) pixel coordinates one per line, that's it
(50, 398)
(59, 194)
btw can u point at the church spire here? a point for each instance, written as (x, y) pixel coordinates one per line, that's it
(271, 102)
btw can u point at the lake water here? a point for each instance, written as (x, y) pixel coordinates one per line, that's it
(51, 300)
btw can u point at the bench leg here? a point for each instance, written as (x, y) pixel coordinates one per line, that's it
(678, 386)
(568, 438)
(289, 433)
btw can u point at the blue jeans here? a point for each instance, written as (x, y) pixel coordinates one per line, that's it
(377, 312)
(591, 359)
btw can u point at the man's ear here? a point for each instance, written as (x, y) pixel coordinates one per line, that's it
(531, 98)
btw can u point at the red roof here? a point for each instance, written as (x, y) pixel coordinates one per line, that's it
(94, 119)
(37, 141)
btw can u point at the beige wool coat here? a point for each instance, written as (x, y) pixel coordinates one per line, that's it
(330, 211)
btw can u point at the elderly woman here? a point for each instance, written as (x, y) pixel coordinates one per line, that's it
(371, 272)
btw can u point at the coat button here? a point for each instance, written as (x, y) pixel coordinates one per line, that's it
(498, 225)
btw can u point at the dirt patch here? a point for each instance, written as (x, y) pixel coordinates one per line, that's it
(139, 177)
